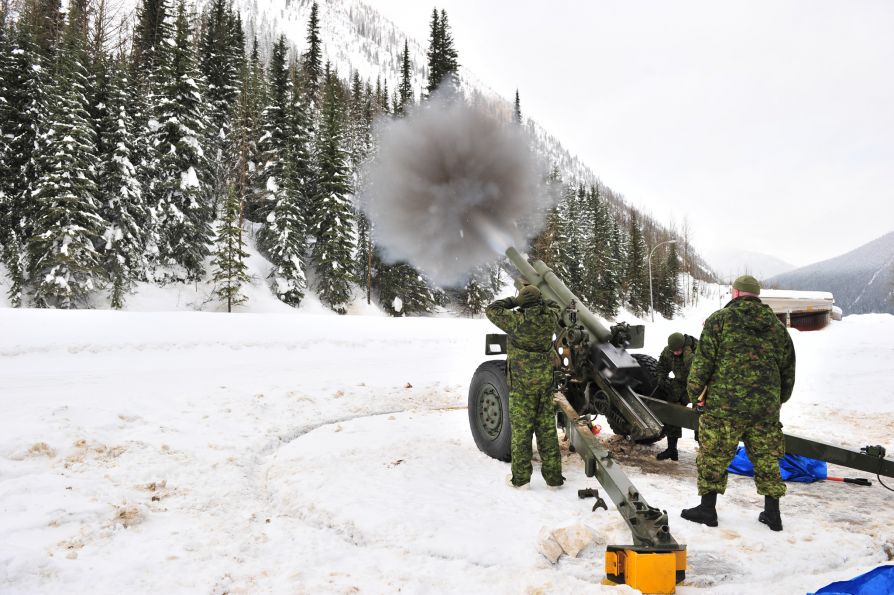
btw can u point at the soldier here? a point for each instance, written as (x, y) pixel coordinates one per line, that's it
(530, 328)
(676, 358)
(744, 369)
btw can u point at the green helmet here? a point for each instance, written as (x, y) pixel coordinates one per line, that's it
(675, 341)
(748, 284)
(529, 296)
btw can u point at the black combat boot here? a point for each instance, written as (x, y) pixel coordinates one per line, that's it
(770, 516)
(670, 452)
(705, 513)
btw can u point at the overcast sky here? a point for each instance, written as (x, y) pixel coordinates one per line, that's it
(769, 125)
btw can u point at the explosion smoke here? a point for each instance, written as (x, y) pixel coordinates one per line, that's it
(451, 188)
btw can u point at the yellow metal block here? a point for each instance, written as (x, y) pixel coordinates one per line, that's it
(681, 560)
(612, 563)
(651, 573)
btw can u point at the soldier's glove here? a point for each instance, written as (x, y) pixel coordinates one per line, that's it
(528, 300)
(508, 303)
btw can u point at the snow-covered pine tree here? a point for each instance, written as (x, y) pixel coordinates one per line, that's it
(405, 88)
(221, 54)
(573, 256)
(119, 191)
(283, 238)
(300, 145)
(550, 244)
(474, 297)
(273, 144)
(284, 241)
(667, 293)
(442, 55)
(636, 269)
(312, 67)
(516, 109)
(402, 290)
(229, 269)
(64, 265)
(184, 214)
(26, 118)
(45, 21)
(601, 270)
(148, 75)
(248, 123)
(333, 226)
(152, 29)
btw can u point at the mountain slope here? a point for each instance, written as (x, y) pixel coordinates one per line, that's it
(730, 263)
(861, 280)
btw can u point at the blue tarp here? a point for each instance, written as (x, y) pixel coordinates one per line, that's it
(879, 581)
(792, 467)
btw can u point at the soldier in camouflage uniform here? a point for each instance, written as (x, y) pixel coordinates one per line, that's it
(744, 369)
(675, 359)
(530, 323)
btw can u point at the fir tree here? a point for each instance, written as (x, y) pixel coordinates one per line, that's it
(220, 58)
(516, 109)
(601, 270)
(333, 224)
(477, 293)
(405, 89)
(636, 270)
(25, 111)
(120, 192)
(45, 24)
(667, 293)
(403, 291)
(249, 122)
(573, 256)
(550, 244)
(150, 33)
(63, 260)
(185, 216)
(284, 239)
(442, 56)
(312, 68)
(230, 270)
(273, 144)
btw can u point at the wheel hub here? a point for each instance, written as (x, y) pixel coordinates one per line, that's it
(490, 412)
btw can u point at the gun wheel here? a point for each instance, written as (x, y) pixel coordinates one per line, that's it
(489, 410)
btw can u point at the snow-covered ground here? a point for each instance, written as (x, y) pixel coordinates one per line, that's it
(185, 452)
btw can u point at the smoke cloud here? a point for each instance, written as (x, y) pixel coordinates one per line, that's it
(451, 188)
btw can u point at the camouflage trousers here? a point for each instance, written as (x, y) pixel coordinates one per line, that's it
(718, 440)
(527, 421)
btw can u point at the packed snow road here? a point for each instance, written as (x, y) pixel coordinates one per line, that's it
(190, 452)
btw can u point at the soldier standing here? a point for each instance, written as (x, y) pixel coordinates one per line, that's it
(744, 369)
(675, 359)
(530, 323)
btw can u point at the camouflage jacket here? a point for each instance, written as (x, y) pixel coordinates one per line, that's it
(746, 360)
(675, 388)
(530, 333)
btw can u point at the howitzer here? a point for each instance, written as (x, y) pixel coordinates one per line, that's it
(597, 376)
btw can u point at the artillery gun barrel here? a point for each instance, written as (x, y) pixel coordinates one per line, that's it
(538, 274)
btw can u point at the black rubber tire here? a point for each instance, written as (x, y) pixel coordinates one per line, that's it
(616, 422)
(489, 410)
(650, 375)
